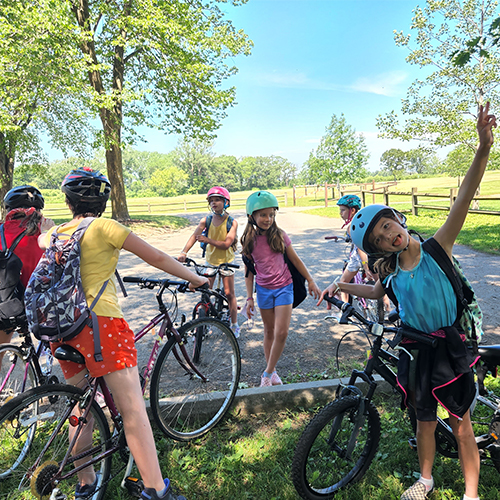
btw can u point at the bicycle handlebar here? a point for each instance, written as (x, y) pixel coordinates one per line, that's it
(348, 311)
(188, 262)
(347, 239)
(182, 286)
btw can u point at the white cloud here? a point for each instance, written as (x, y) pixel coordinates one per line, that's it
(387, 84)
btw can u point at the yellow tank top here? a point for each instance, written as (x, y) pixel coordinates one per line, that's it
(216, 256)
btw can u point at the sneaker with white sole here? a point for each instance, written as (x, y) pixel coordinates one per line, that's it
(151, 494)
(236, 331)
(275, 379)
(417, 491)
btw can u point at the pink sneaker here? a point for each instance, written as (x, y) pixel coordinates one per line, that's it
(265, 381)
(275, 379)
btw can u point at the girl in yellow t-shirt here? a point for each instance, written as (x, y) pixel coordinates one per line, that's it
(220, 243)
(87, 192)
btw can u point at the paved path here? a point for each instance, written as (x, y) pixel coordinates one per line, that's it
(312, 341)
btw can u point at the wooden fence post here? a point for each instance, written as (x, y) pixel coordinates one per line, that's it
(293, 195)
(373, 191)
(305, 190)
(149, 207)
(414, 201)
(386, 196)
(185, 206)
(453, 195)
(286, 199)
(326, 195)
(363, 198)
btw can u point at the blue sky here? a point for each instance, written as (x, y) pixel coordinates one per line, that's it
(311, 59)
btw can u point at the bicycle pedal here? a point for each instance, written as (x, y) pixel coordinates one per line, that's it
(134, 486)
(413, 443)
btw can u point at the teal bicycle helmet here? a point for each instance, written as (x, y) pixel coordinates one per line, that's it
(364, 221)
(350, 200)
(260, 200)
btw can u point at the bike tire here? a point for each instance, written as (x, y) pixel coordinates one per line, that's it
(320, 467)
(16, 374)
(199, 335)
(183, 405)
(30, 452)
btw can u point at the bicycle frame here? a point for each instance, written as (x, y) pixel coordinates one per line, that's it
(95, 385)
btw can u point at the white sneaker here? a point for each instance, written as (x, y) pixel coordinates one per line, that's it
(236, 330)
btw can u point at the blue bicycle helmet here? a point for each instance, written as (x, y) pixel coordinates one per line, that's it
(364, 221)
(350, 200)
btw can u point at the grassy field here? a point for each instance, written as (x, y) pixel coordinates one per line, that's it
(249, 457)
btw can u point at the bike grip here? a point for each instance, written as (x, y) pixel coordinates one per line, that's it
(132, 279)
(236, 266)
(331, 238)
(333, 300)
(418, 337)
(203, 287)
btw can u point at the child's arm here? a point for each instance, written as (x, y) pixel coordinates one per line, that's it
(225, 244)
(301, 267)
(161, 260)
(192, 240)
(364, 262)
(250, 304)
(448, 232)
(375, 291)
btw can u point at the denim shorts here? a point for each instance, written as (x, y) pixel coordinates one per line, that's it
(270, 298)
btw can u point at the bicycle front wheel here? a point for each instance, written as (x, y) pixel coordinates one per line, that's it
(184, 405)
(17, 374)
(199, 334)
(35, 435)
(335, 449)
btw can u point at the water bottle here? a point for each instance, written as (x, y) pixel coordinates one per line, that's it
(45, 359)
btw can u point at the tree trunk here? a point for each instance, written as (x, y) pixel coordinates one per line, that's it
(6, 169)
(111, 119)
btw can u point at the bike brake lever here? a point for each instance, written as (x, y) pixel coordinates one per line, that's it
(399, 348)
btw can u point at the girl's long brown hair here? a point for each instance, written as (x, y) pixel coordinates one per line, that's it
(274, 238)
(32, 222)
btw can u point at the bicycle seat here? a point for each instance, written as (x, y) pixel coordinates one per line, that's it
(69, 353)
(490, 353)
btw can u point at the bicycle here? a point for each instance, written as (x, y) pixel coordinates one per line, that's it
(372, 310)
(187, 400)
(210, 305)
(21, 368)
(338, 445)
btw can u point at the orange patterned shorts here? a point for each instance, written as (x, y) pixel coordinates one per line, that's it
(117, 346)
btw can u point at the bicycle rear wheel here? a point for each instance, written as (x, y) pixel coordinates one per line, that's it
(331, 454)
(34, 437)
(184, 406)
(16, 374)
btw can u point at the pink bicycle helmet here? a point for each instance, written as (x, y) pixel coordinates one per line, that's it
(222, 192)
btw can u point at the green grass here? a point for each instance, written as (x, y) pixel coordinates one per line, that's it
(249, 457)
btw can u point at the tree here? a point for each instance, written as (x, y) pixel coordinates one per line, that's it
(38, 81)
(168, 181)
(399, 163)
(341, 155)
(195, 158)
(439, 107)
(159, 63)
(394, 162)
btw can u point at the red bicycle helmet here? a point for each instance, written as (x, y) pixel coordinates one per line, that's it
(85, 184)
(222, 192)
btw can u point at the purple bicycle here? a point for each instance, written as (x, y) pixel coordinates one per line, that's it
(187, 399)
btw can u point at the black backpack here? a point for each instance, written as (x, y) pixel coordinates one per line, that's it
(12, 312)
